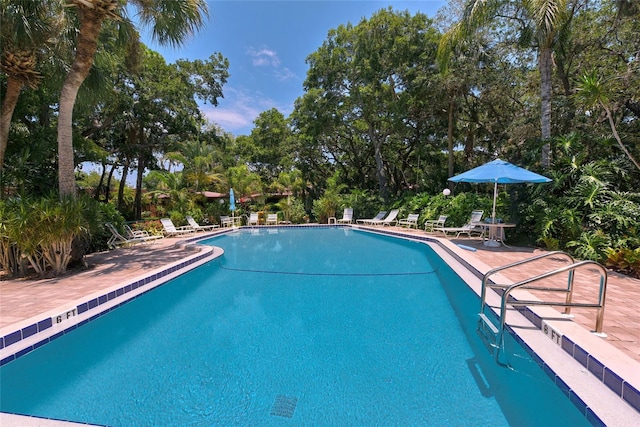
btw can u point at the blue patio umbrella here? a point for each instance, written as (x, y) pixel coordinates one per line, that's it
(499, 172)
(232, 205)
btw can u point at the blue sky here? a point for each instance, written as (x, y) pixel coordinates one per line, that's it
(267, 43)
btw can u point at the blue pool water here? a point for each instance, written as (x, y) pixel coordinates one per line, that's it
(321, 327)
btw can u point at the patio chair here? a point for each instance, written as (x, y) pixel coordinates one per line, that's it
(378, 217)
(226, 221)
(197, 227)
(347, 216)
(253, 219)
(132, 234)
(469, 228)
(118, 239)
(389, 220)
(171, 230)
(272, 219)
(410, 221)
(433, 224)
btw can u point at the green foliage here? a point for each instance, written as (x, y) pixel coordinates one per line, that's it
(590, 206)
(624, 259)
(42, 231)
(330, 202)
(178, 218)
(457, 208)
(96, 237)
(152, 227)
(297, 213)
(591, 245)
(364, 203)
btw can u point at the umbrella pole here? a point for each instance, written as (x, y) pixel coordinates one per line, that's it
(495, 197)
(492, 242)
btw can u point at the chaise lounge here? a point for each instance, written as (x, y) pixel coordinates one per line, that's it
(171, 230)
(197, 227)
(118, 239)
(469, 228)
(378, 217)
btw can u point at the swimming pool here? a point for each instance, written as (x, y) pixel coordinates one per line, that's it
(330, 327)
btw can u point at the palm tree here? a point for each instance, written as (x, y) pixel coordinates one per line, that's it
(592, 93)
(542, 18)
(171, 20)
(199, 165)
(27, 28)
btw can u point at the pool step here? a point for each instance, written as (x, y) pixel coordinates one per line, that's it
(488, 332)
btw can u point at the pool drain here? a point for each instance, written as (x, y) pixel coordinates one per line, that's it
(284, 406)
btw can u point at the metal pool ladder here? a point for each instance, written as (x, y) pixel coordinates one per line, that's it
(493, 334)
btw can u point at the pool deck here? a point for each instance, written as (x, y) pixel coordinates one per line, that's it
(21, 300)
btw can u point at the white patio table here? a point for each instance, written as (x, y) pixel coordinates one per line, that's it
(495, 234)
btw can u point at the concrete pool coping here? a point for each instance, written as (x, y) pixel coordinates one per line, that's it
(141, 266)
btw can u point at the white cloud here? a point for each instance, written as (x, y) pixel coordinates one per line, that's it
(285, 74)
(239, 109)
(263, 57)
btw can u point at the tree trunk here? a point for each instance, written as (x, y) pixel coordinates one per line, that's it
(14, 86)
(107, 190)
(123, 182)
(138, 201)
(452, 104)
(380, 173)
(98, 189)
(90, 25)
(617, 137)
(545, 97)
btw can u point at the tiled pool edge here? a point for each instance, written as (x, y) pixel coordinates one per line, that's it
(626, 391)
(95, 307)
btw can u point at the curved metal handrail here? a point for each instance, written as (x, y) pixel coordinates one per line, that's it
(571, 268)
(493, 271)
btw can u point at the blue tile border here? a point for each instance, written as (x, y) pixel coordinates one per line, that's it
(631, 395)
(44, 324)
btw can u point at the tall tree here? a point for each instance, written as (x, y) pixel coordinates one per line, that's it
(267, 151)
(540, 18)
(171, 20)
(154, 110)
(369, 83)
(592, 93)
(198, 160)
(27, 30)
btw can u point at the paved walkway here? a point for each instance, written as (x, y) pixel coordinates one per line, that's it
(22, 299)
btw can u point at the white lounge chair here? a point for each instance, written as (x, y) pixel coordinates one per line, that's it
(227, 221)
(171, 230)
(197, 227)
(410, 221)
(132, 234)
(272, 219)
(468, 228)
(253, 218)
(118, 239)
(378, 217)
(433, 224)
(347, 216)
(389, 220)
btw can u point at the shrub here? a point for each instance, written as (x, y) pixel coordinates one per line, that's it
(42, 232)
(624, 259)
